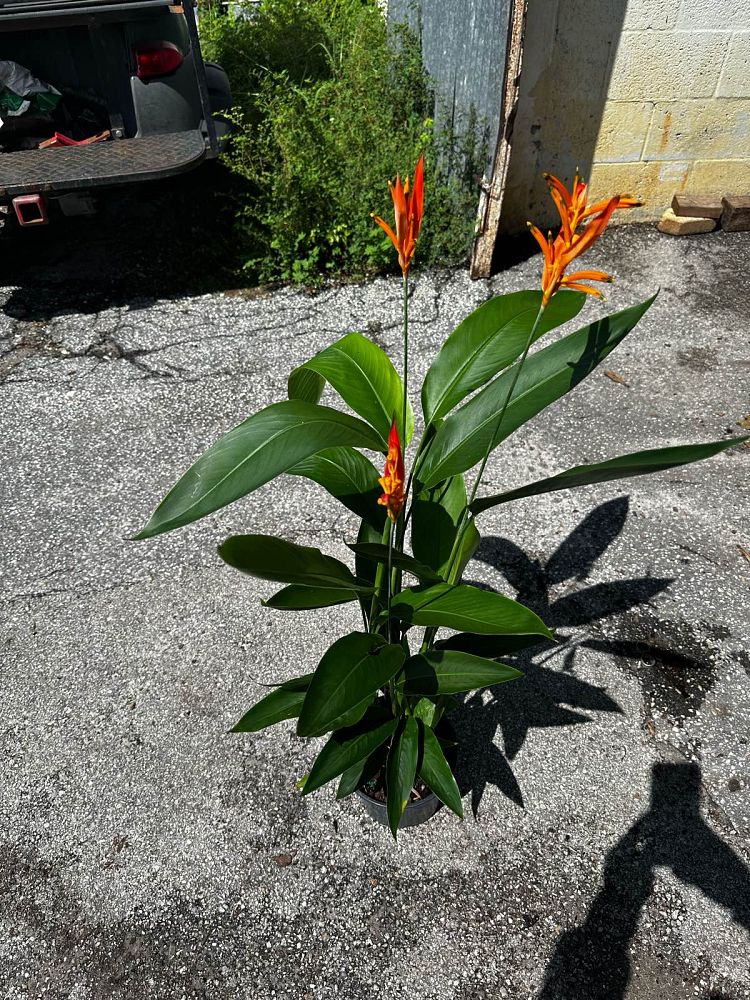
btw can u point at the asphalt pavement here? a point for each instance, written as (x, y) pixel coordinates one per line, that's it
(147, 853)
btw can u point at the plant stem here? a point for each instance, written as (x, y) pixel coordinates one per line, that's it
(508, 397)
(394, 583)
(379, 572)
(390, 584)
(430, 633)
(406, 358)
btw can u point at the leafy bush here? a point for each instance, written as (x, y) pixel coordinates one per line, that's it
(329, 103)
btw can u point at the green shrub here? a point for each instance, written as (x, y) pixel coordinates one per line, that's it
(329, 104)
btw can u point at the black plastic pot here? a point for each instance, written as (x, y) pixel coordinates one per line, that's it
(420, 810)
(415, 813)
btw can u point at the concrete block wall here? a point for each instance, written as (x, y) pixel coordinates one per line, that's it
(648, 97)
(677, 115)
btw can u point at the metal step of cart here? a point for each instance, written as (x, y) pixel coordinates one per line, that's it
(18, 9)
(115, 162)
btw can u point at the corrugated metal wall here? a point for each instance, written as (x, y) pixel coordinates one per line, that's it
(464, 45)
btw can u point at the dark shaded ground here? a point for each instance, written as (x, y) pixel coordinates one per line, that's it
(166, 239)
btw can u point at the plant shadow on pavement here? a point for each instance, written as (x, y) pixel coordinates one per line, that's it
(591, 962)
(156, 240)
(546, 697)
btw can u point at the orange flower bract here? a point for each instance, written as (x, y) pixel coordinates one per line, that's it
(392, 480)
(408, 208)
(569, 242)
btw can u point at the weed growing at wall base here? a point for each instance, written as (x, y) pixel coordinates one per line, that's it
(328, 100)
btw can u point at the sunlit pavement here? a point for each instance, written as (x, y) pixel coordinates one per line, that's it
(143, 849)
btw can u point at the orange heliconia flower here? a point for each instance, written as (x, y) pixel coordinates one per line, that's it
(393, 476)
(408, 207)
(569, 242)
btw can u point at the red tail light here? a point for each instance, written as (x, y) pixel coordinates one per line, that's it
(158, 59)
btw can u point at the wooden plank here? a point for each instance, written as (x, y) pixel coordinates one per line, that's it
(491, 198)
(697, 206)
(736, 215)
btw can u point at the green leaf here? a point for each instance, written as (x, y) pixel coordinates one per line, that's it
(271, 558)
(283, 703)
(488, 645)
(306, 385)
(298, 598)
(265, 445)
(489, 339)
(467, 608)
(639, 463)
(446, 671)
(347, 747)
(378, 552)
(435, 771)
(353, 669)
(401, 770)
(350, 477)
(360, 773)
(463, 438)
(425, 710)
(364, 376)
(467, 547)
(365, 568)
(434, 520)
(348, 718)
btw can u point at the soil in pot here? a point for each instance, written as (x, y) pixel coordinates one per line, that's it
(423, 803)
(375, 789)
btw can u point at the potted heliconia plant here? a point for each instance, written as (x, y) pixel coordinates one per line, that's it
(381, 693)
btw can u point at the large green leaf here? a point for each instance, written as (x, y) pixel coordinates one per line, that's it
(297, 598)
(271, 558)
(283, 703)
(639, 463)
(491, 646)
(348, 746)
(462, 440)
(366, 569)
(448, 671)
(364, 376)
(261, 448)
(435, 771)
(350, 477)
(351, 671)
(489, 339)
(468, 545)
(434, 519)
(378, 552)
(401, 771)
(466, 608)
(359, 774)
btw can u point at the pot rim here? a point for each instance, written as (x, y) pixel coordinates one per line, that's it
(416, 802)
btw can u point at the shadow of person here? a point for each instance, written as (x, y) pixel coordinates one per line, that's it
(592, 962)
(545, 697)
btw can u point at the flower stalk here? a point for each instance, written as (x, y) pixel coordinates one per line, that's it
(406, 356)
